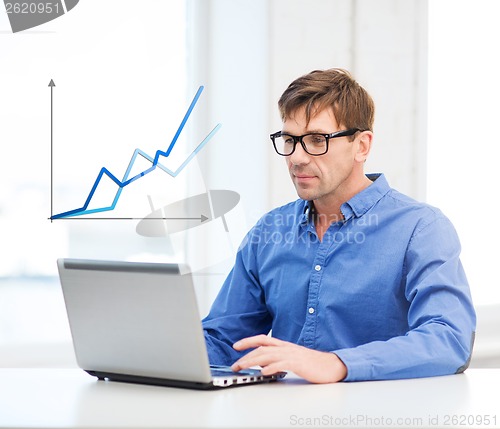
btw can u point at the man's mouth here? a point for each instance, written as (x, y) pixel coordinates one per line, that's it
(303, 176)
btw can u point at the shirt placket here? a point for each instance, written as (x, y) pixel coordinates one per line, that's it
(315, 281)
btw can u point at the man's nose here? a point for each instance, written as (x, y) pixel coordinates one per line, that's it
(299, 155)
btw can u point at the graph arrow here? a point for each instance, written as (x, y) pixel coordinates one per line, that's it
(201, 218)
(51, 85)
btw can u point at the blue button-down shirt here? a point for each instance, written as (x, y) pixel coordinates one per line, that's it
(384, 289)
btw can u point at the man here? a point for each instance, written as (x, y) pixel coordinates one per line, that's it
(354, 280)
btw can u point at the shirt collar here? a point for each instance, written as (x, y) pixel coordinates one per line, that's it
(363, 201)
(307, 213)
(359, 204)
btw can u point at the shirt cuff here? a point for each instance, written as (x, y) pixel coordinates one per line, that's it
(358, 368)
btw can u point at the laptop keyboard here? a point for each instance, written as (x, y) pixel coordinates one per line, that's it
(222, 371)
(218, 373)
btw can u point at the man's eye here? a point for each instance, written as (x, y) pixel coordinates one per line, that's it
(317, 139)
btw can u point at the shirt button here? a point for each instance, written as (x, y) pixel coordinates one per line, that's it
(317, 267)
(311, 310)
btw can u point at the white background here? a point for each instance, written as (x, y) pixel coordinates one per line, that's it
(125, 72)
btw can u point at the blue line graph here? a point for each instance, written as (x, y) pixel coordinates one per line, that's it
(154, 161)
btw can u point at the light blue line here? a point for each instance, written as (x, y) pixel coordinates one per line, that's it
(149, 158)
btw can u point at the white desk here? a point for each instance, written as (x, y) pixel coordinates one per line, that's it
(69, 398)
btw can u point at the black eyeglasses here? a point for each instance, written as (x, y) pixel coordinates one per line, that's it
(313, 143)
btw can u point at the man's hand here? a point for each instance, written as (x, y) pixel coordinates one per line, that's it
(274, 355)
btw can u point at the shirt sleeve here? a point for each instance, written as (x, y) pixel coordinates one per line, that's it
(441, 317)
(239, 309)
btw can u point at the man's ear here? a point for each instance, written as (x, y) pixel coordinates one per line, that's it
(364, 143)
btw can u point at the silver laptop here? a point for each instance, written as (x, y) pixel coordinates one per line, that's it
(139, 322)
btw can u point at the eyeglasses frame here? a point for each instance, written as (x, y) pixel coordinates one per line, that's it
(297, 139)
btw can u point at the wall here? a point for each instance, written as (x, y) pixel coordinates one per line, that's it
(383, 43)
(247, 52)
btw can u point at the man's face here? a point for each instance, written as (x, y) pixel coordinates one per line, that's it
(321, 177)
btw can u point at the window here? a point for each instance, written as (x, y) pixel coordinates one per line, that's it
(463, 145)
(119, 68)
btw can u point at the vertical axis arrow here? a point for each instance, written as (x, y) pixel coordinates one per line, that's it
(51, 85)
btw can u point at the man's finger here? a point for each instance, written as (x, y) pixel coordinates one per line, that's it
(257, 341)
(256, 358)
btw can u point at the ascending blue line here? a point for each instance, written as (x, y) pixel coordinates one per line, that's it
(83, 210)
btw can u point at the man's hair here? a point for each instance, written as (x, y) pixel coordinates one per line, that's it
(336, 88)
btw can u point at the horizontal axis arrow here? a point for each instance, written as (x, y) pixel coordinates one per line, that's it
(202, 218)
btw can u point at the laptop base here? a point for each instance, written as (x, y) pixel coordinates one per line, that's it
(138, 379)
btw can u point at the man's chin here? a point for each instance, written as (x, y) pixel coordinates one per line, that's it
(305, 194)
